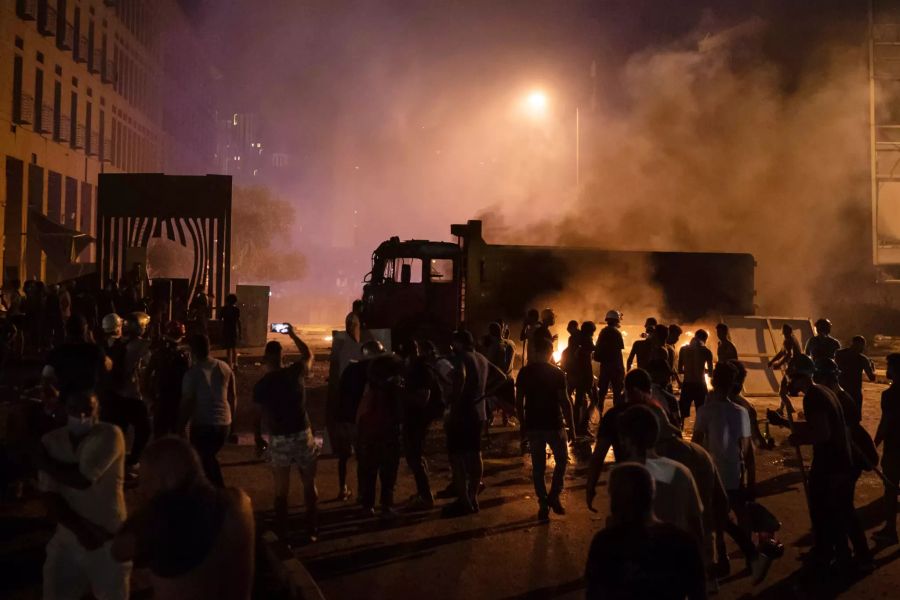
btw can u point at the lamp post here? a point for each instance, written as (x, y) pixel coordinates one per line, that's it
(536, 105)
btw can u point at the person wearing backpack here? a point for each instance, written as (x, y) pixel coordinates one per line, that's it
(828, 374)
(169, 361)
(889, 433)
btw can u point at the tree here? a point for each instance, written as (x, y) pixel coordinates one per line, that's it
(262, 226)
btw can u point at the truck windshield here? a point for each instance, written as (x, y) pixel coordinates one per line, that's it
(403, 270)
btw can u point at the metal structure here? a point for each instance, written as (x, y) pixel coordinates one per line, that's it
(884, 135)
(195, 212)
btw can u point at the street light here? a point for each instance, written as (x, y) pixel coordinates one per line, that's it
(536, 104)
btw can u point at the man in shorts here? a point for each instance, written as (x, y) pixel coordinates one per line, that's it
(280, 398)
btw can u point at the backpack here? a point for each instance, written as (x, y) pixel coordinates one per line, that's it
(862, 448)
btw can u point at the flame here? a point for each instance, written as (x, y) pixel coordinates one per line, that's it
(557, 353)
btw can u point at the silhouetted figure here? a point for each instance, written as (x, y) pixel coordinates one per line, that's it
(636, 555)
(196, 540)
(543, 403)
(853, 363)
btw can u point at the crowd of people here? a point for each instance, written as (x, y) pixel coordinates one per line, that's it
(671, 494)
(678, 486)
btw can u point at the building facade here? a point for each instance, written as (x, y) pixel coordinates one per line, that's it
(87, 87)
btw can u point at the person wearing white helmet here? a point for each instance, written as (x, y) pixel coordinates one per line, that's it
(608, 352)
(112, 328)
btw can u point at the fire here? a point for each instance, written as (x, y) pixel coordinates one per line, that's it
(557, 354)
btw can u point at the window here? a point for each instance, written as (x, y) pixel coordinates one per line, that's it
(55, 209)
(404, 270)
(441, 270)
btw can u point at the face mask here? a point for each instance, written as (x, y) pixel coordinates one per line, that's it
(79, 426)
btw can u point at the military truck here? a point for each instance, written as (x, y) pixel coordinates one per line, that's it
(426, 289)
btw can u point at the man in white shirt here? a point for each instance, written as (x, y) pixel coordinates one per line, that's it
(208, 402)
(677, 499)
(723, 428)
(82, 468)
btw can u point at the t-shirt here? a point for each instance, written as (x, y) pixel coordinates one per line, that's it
(282, 396)
(831, 456)
(693, 360)
(100, 457)
(657, 561)
(129, 358)
(230, 316)
(822, 346)
(703, 469)
(608, 351)
(541, 384)
(77, 366)
(209, 382)
(350, 391)
(471, 403)
(677, 500)
(500, 353)
(723, 425)
(168, 365)
(852, 365)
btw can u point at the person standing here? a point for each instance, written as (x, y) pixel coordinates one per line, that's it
(81, 470)
(378, 424)
(853, 363)
(342, 429)
(168, 364)
(500, 352)
(208, 404)
(832, 467)
(726, 350)
(231, 329)
(889, 433)
(464, 422)
(582, 383)
(723, 428)
(543, 402)
(608, 352)
(695, 361)
(636, 555)
(822, 345)
(529, 325)
(280, 401)
(828, 375)
(640, 349)
(417, 414)
(677, 498)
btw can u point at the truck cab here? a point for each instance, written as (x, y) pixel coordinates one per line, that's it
(413, 289)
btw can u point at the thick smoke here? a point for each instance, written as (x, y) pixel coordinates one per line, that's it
(711, 153)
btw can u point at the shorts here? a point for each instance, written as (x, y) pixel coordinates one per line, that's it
(293, 449)
(343, 438)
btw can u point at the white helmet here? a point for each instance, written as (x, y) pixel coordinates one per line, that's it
(112, 324)
(613, 315)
